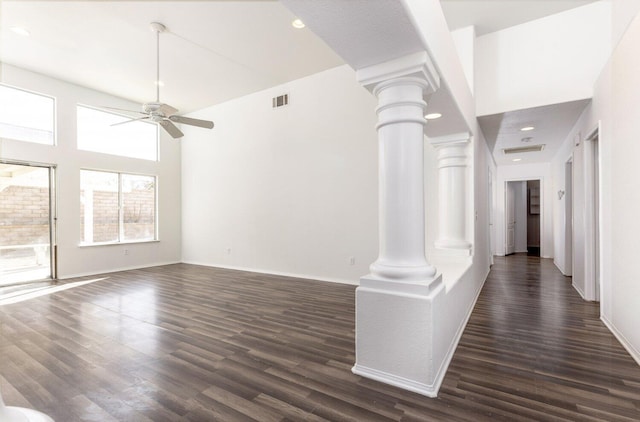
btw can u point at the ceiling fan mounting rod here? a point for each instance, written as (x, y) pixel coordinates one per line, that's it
(157, 27)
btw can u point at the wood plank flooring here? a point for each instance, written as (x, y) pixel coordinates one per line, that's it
(190, 343)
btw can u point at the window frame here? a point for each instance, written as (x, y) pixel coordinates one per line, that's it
(54, 111)
(121, 227)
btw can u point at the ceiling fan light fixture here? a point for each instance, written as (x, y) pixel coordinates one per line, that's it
(297, 23)
(157, 27)
(161, 113)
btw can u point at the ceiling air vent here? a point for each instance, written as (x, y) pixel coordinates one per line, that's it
(280, 101)
(520, 150)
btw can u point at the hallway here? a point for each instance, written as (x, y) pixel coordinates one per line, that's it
(534, 348)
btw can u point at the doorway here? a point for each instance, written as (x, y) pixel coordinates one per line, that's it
(523, 205)
(533, 217)
(27, 215)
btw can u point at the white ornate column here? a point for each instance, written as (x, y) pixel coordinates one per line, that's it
(401, 181)
(395, 303)
(452, 181)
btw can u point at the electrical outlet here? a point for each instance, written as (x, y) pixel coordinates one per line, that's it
(126, 251)
(352, 260)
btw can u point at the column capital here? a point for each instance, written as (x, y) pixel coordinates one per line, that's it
(416, 65)
(462, 138)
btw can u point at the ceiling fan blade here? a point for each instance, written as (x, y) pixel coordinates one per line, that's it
(123, 109)
(193, 122)
(130, 120)
(171, 129)
(167, 110)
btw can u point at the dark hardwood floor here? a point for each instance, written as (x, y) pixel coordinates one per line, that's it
(190, 343)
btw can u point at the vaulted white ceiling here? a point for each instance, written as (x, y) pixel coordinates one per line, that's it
(213, 50)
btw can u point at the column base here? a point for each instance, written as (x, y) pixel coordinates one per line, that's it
(397, 339)
(381, 270)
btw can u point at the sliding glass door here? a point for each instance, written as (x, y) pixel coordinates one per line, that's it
(26, 223)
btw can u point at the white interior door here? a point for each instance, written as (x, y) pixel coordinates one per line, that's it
(510, 214)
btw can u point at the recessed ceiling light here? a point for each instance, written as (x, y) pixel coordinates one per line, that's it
(298, 24)
(433, 116)
(517, 159)
(527, 128)
(21, 31)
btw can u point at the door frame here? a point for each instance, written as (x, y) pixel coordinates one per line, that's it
(491, 214)
(569, 261)
(592, 287)
(507, 222)
(53, 209)
(542, 209)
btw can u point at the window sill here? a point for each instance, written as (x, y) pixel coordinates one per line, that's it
(129, 242)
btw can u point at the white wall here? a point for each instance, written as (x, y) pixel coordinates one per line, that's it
(570, 151)
(290, 190)
(615, 111)
(623, 12)
(619, 143)
(537, 171)
(464, 40)
(546, 61)
(72, 259)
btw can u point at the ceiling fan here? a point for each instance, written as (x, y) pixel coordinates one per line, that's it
(163, 114)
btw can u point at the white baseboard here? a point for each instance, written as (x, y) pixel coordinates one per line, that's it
(115, 270)
(580, 292)
(635, 353)
(396, 381)
(271, 272)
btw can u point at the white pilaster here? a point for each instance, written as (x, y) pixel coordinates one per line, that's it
(452, 166)
(396, 303)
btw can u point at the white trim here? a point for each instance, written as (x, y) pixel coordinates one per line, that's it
(635, 354)
(456, 138)
(116, 270)
(429, 390)
(590, 224)
(271, 272)
(580, 292)
(542, 212)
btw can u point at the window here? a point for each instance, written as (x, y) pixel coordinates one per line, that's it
(26, 116)
(117, 207)
(135, 139)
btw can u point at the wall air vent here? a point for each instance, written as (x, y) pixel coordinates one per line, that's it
(520, 150)
(280, 101)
